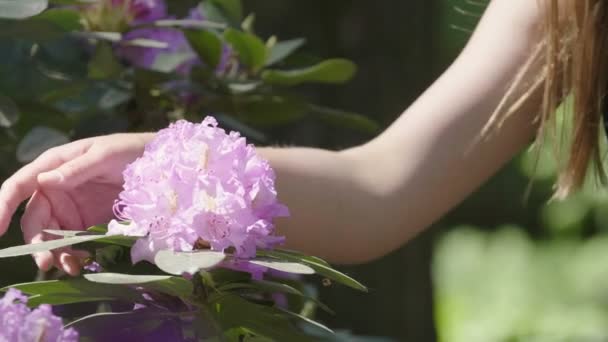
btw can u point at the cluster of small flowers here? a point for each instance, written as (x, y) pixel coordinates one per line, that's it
(195, 187)
(18, 323)
(125, 15)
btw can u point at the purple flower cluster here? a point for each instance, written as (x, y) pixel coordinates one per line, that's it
(20, 324)
(197, 186)
(177, 51)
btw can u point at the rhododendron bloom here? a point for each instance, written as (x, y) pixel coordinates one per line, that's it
(20, 324)
(177, 56)
(196, 185)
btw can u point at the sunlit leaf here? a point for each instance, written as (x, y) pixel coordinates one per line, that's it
(284, 266)
(20, 9)
(320, 268)
(282, 50)
(178, 263)
(124, 279)
(46, 245)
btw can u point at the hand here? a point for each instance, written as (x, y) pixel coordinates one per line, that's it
(72, 187)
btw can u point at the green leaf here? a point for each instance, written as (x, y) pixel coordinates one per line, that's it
(263, 286)
(178, 263)
(251, 50)
(222, 276)
(345, 119)
(329, 71)
(21, 9)
(119, 240)
(267, 286)
(74, 291)
(104, 64)
(207, 45)
(308, 321)
(9, 112)
(320, 268)
(66, 19)
(102, 229)
(262, 110)
(124, 279)
(231, 312)
(231, 8)
(38, 140)
(48, 26)
(46, 245)
(291, 255)
(284, 266)
(300, 256)
(63, 299)
(282, 50)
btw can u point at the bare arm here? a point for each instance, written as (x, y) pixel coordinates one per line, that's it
(350, 206)
(359, 204)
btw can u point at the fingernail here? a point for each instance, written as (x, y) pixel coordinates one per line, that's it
(54, 176)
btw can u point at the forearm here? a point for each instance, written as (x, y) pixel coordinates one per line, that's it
(360, 204)
(332, 211)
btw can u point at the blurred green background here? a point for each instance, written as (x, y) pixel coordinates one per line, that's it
(503, 266)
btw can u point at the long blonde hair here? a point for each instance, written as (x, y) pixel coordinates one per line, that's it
(573, 55)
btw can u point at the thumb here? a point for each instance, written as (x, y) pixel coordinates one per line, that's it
(74, 172)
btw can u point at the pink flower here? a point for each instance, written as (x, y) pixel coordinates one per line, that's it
(19, 323)
(196, 184)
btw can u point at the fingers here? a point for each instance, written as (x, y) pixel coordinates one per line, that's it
(64, 210)
(69, 261)
(65, 215)
(24, 182)
(74, 172)
(36, 218)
